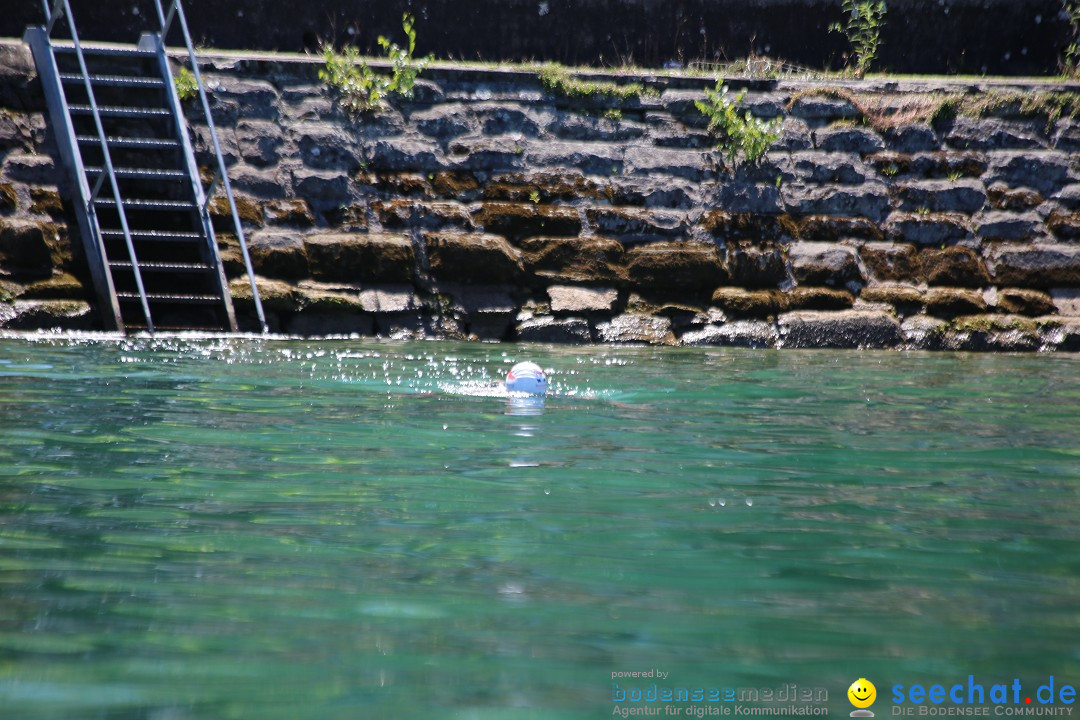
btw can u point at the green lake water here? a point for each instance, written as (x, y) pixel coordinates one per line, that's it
(246, 528)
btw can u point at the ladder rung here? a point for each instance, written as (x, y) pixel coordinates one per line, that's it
(187, 299)
(163, 266)
(117, 111)
(137, 204)
(129, 81)
(141, 173)
(154, 235)
(126, 142)
(100, 51)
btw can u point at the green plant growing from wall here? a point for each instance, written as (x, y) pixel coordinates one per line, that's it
(359, 88)
(186, 87)
(862, 28)
(1071, 63)
(737, 131)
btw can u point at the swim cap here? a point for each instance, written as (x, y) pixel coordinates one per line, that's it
(526, 377)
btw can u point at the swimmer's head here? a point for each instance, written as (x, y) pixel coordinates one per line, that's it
(527, 378)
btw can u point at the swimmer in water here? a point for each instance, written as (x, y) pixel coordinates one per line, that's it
(526, 378)
(526, 385)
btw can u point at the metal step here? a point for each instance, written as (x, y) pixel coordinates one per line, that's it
(128, 81)
(140, 173)
(154, 236)
(173, 299)
(117, 111)
(131, 142)
(163, 266)
(140, 204)
(105, 51)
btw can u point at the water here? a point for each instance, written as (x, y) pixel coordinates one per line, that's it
(247, 528)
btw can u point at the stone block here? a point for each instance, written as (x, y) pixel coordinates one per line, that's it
(905, 298)
(690, 268)
(843, 329)
(1021, 301)
(508, 120)
(996, 225)
(636, 224)
(760, 264)
(955, 266)
(1042, 266)
(739, 333)
(825, 228)
(823, 168)
(741, 302)
(487, 155)
(747, 197)
(360, 257)
(31, 248)
(445, 122)
(1002, 197)
(994, 134)
(1064, 225)
(48, 315)
(818, 298)
(952, 302)
(849, 140)
(259, 141)
(600, 159)
(650, 161)
(636, 328)
(402, 213)
(293, 212)
(927, 228)
(521, 220)
(869, 200)
(817, 107)
(473, 258)
(891, 261)
(591, 260)
(943, 196)
(816, 263)
(278, 254)
(1046, 171)
(403, 154)
(546, 329)
(911, 138)
(575, 300)
(595, 129)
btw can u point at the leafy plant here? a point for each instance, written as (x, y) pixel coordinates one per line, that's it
(954, 175)
(862, 28)
(1071, 64)
(737, 131)
(186, 87)
(534, 197)
(406, 69)
(359, 88)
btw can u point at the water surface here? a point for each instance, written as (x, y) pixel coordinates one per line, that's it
(247, 528)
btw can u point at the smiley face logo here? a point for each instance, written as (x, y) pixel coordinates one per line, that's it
(862, 694)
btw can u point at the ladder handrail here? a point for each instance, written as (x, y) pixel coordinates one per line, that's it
(52, 18)
(177, 10)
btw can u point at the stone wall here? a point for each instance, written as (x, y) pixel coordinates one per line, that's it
(488, 208)
(1010, 37)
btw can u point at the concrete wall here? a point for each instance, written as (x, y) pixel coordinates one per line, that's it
(486, 207)
(928, 36)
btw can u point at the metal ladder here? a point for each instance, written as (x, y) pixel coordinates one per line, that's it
(142, 210)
